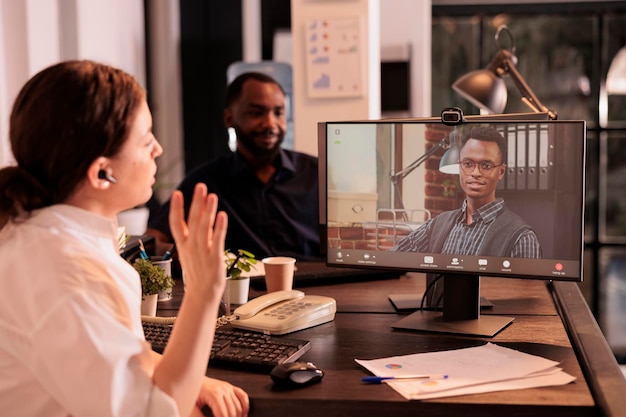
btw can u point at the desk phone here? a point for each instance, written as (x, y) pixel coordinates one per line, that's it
(282, 312)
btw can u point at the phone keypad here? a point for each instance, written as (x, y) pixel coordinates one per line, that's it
(290, 308)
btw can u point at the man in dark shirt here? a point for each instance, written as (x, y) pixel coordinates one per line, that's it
(483, 225)
(269, 193)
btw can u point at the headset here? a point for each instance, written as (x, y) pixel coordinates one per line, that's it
(103, 175)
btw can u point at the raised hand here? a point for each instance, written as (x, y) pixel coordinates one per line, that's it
(200, 242)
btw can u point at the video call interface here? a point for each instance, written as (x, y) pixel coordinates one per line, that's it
(396, 191)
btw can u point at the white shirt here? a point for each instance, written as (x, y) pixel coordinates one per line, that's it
(71, 342)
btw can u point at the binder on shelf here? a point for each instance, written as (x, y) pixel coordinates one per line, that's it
(546, 155)
(532, 170)
(502, 183)
(520, 172)
(511, 157)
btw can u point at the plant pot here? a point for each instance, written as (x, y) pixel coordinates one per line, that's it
(165, 295)
(149, 305)
(237, 290)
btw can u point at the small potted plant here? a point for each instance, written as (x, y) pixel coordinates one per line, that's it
(153, 281)
(238, 285)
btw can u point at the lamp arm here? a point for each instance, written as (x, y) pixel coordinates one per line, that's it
(400, 175)
(528, 96)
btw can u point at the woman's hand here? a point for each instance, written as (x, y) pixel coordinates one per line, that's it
(181, 371)
(224, 399)
(200, 242)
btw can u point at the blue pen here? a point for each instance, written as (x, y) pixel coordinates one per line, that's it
(380, 379)
(142, 251)
(168, 254)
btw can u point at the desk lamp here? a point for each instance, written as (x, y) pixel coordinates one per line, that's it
(485, 88)
(449, 163)
(616, 76)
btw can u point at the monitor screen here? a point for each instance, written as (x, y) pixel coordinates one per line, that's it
(485, 197)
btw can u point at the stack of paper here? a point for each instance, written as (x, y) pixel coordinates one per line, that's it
(473, 370)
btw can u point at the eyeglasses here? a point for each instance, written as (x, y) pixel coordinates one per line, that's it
(468, 166)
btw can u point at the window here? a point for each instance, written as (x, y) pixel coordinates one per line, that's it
(565, 59)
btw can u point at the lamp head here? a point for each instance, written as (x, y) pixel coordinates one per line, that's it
(449, 162)
(485, 88)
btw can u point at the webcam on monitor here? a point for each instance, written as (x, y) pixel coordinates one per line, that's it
(452, 116)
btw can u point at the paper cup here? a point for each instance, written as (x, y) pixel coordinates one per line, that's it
(278, 273)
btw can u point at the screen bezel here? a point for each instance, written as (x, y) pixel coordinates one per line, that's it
(574, 267)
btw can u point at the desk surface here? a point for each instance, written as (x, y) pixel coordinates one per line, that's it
(362, 329)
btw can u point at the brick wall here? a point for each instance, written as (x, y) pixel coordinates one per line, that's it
(363, 236)
(441, 189)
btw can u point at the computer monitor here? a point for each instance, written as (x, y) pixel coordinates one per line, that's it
(390, 203)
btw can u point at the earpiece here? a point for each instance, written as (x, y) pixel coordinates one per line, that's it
(103, 175)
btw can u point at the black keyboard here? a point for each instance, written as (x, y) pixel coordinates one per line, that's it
(238, 349)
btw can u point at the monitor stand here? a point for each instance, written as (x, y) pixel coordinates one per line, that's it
(431, 300)
(461, 311)
(408, 302)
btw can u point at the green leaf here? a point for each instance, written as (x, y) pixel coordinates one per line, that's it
(153, 278)
(237, 262)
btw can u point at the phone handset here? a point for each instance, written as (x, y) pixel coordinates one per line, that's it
(260, 303)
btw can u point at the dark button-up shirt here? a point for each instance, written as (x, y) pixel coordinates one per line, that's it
(278, 218)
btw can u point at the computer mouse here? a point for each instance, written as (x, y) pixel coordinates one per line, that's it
(296, 374)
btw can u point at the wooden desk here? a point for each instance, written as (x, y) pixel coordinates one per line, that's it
(362, 329)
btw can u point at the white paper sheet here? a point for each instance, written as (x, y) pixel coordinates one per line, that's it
(471, 370)
(552, 377)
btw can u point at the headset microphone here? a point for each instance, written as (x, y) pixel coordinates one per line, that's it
(103, 175)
